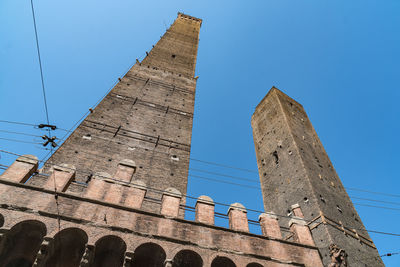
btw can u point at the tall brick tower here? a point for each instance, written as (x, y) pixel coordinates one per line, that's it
(143, 127)
(294, 168)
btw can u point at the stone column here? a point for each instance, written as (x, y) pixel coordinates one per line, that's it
(43, 252)
(128, 259)
(168, 263)
(87, 256)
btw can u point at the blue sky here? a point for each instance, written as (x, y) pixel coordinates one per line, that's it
(339, 59)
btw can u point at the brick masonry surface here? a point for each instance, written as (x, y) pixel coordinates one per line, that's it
(294, 168)
(31, 206)
(147, 118)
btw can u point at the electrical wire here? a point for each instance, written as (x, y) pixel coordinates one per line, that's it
(47, 111)
(372, 192)
(40, 63)
(19, 133)
(19, 141)
(30, 124)
(224, 204)
(20, 123)
(223, 165)
(374, 200)
(88, 112)
(373, 206)
(251, 180)
(258, 188)
(224, 182)
(225, 175)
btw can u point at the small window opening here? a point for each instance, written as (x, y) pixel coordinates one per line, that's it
(275, 154)
(173, 56)
(339, 209)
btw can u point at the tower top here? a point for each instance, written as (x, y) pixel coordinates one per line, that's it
(277, 91)
(176, 51)
(185, 16)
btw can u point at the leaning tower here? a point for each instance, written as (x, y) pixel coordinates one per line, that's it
(114, 193)
(295, 168)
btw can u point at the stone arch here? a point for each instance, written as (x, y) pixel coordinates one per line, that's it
(220, 261)
(21, 243)
(67, 248)
(187, 258)
(254, 264)
(109, 251)
(148, 255)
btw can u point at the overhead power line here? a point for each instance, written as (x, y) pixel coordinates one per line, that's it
(374, 200)
(20, 123)
(19, 133)
(40, 62)
(218, 203)
(372, 192)
(225, 175)
(87, 113)
(19, 141)
(36, 126)
(223, 165)
(49, 138)
(224, 182)
(373, 206)
(258, 188)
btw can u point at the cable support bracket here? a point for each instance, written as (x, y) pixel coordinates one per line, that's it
(42, 125)
(49, 140)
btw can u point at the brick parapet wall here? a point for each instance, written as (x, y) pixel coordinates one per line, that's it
(21, 202)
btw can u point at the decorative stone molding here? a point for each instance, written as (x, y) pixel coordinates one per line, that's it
(338, 256)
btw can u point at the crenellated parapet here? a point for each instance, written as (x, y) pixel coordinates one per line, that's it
(110, 212)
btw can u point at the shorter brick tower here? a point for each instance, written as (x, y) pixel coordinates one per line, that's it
(294, 168)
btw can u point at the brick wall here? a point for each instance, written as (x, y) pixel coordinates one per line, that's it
(294, 168)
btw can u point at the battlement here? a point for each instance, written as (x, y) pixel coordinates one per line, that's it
(112, 204)
(184, 16)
